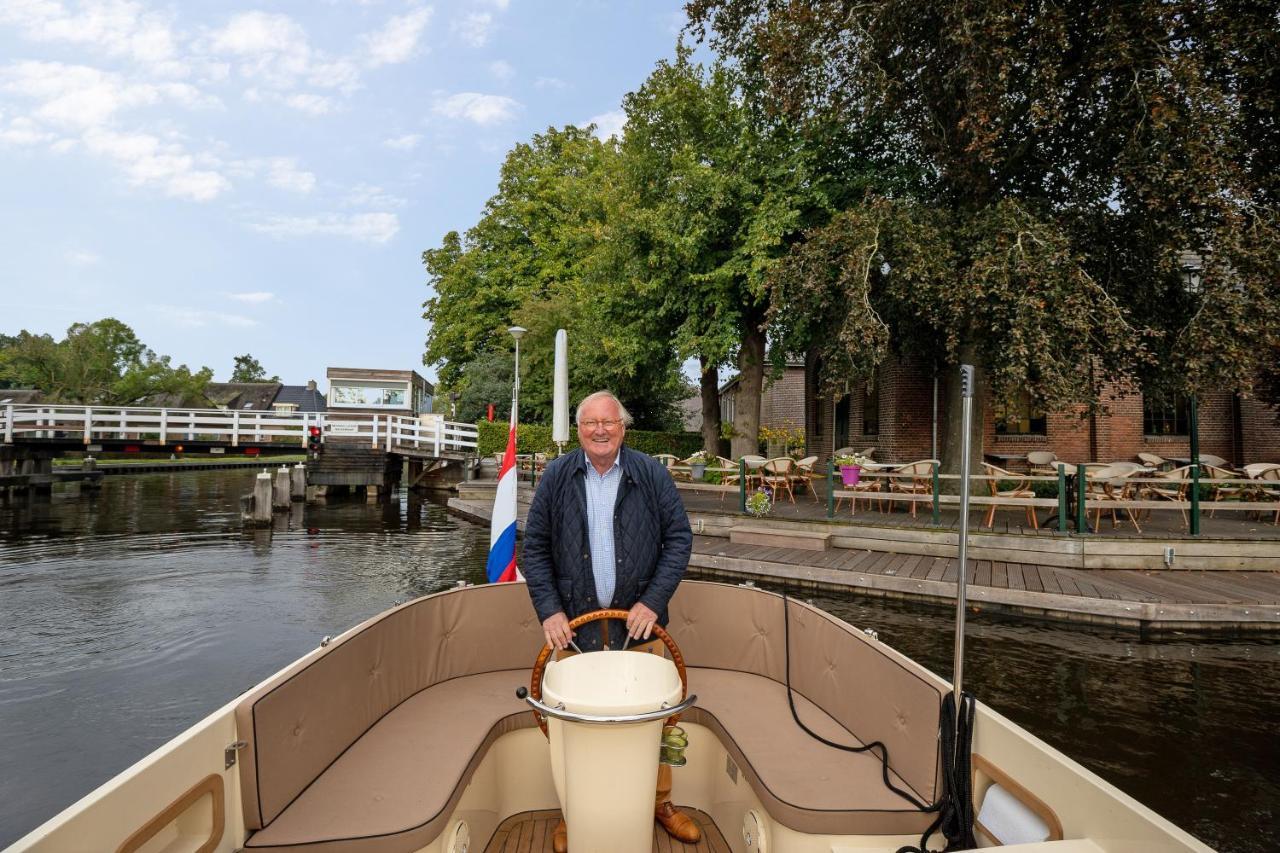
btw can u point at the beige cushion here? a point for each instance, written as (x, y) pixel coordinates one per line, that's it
(395, 787)
(802, 783)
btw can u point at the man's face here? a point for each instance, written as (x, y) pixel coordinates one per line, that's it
(600, 430)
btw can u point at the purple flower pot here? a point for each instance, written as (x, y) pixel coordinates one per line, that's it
(849, 474)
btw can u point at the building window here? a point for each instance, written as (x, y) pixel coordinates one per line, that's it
(871, 409)
(357, 395)
(285, 408)
(1017, 414)
(1166, 416)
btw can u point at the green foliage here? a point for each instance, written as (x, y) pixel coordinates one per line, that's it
(1057, 163)
(536, 438)
(248, 369)
(99, 363)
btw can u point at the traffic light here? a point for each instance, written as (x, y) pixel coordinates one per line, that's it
(313, 439)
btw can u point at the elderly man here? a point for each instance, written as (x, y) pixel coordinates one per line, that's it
(607, 529)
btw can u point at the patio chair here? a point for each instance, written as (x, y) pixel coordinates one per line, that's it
(1215, 461)
(843, 451)
(1106, 483)
(1127, 467)
(1221, 491)
(777, 474)
(1021, 490)
(1271, 489)
(728, 477)
(1153, 460)
(1173, 486)
(805, 474)
(753, 468)
(1041, 462)
(918, 480)
(870, 453)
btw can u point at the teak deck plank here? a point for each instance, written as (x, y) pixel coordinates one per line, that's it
(531, 832)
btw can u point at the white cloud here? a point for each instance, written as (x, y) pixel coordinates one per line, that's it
(148, 161)
(478, 108)
(117, 27)
(269, 47)
(283, 173)
(549, 83)
(408, 142)
(474, 28)
(368, 195)
(22, 131)
(196, 317)
(364, 227)
(83, 258)
(501, 70)
(398, 39)
(608, 124)
(254, 298)
(316, 105)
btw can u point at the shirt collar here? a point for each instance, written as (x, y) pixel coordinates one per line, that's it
(617, 462)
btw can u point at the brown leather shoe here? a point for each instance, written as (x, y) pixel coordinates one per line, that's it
(677, 824)
(560, 838)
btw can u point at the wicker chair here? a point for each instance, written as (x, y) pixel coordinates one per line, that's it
(777, 474)
(805, 474)
(1173, 486)
(1107, 483)
(1041, 462)
(916, 478)
(1021, 489)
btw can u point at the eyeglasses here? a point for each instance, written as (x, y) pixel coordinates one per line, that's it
(595, 424)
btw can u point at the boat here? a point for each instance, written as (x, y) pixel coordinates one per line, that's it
(421, 729)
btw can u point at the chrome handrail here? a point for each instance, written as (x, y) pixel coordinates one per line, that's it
(574, 717)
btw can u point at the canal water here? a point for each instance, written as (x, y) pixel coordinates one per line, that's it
(129, 615)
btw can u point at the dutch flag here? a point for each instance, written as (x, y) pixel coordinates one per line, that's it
(502, 531)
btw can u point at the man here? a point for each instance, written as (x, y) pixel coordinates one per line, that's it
(607, 529)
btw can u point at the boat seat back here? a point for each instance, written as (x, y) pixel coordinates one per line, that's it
(867, 688)
(300, 721)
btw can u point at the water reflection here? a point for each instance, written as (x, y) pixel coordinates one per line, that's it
(129, 615)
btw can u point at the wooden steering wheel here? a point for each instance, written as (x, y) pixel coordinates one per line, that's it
(540, 665)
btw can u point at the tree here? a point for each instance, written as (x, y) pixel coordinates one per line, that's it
(1061, 160)
(709, 198)
(248, 369)
(100, 363)
(532, 259)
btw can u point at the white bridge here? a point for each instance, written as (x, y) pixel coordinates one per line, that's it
(69, 427)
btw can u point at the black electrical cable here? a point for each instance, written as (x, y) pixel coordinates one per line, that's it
(955, 807)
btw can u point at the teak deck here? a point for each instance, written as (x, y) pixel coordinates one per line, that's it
(530, 832)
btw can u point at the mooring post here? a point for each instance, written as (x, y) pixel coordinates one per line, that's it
(262, 500)
(281, 498)
(298, 482)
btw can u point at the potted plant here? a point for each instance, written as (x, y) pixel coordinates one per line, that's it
(851, 468)
(698, 465)
(759, 502)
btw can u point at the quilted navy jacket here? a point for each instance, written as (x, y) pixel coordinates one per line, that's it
(651, 539)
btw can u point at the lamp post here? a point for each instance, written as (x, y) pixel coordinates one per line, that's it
(516, 332)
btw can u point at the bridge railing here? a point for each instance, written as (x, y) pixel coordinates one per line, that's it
(230, 426)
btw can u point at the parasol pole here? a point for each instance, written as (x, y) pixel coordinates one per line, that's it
(966, 414)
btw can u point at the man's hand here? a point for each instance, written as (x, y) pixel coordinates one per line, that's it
(640, 622)
(556, 631)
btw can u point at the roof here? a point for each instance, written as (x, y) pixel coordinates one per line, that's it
(242, 395)
(21, 396)
(306, 399)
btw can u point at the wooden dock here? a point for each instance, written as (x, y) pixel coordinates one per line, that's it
(880, 562)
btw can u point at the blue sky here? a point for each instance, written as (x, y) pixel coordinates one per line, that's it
(263, 177)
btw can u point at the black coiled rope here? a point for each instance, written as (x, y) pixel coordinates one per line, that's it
(954, 807)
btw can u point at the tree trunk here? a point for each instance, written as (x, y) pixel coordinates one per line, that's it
(746, 415)
(710, 407)
(953, 433)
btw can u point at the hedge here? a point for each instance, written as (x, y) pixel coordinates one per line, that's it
(536, 438)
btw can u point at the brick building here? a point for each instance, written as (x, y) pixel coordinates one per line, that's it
(895, 414)
(782, 400)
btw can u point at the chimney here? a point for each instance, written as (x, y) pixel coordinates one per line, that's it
(311, 385)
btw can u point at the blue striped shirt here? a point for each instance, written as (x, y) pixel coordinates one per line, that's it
(602, 494)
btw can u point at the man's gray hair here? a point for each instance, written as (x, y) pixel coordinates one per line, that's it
(607, 395)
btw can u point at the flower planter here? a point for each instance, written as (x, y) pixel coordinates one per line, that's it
(697, 470)
(849, 474)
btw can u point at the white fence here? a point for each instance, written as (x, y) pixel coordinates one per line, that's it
(231, 427)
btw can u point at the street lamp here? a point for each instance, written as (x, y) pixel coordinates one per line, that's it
(516, 332)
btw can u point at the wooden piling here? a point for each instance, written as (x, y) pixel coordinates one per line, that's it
(281, 499)
(262, 500)
(298, 482)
